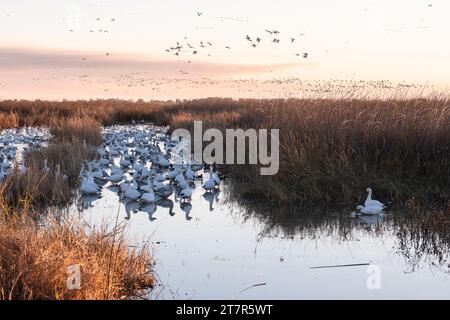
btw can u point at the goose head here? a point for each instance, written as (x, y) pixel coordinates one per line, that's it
(369, 190)
(359, 207)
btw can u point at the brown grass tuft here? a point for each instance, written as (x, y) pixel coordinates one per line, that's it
(34, 262)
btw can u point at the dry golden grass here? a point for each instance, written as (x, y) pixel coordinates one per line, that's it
(106, 112)
(9, 120)
(76, 130)
(34, 263)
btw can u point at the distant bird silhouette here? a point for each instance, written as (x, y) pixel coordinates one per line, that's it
(258, 39)
(209, 43)
(292, 39)
(194, 52)
(227, 47)
(305, 55)
(254, 45)
(276, 40)
(248, 38)
(199, 13)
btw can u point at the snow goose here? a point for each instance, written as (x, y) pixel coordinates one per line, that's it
(371, 202)
(88, 188)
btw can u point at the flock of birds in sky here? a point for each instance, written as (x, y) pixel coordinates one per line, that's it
(187, 47)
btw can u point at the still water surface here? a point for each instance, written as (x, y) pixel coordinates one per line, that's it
(217, 249)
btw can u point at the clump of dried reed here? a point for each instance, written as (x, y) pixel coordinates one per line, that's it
(76, 130)
(34, 262)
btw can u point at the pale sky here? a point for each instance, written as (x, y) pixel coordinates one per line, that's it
(57, 49)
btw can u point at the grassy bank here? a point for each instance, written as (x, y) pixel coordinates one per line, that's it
(34, 258)
(34, 263)
(52, 170)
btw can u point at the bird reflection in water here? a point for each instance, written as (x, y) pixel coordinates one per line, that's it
(87, 201)
(150, 209)
(186, 207)
(211, 197)
(131, 207)
(166, 203)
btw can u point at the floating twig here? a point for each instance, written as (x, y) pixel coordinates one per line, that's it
(341, 265)
(254, 285)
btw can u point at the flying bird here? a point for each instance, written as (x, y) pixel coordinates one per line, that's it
(199, 13)
(305, 55)
(248, 38)
(292, 39)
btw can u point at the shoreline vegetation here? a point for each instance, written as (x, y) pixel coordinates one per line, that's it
(38, 245)
(330, 152)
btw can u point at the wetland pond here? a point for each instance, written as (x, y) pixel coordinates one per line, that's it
(217, 248)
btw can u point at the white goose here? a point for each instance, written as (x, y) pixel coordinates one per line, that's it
(371, 202)
(186, 193)
(131, 193)
(87, 187)
(210, 184)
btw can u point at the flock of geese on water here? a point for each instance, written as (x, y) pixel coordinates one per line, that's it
(137, 162)
(13, 142)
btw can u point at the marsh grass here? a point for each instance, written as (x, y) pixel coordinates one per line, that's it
(34, 262)
(331, 150)
(39, 186)
(75, 130)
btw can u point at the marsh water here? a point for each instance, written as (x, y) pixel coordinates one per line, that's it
(218, 247)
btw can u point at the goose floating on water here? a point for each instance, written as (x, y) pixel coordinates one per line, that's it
(371, 202)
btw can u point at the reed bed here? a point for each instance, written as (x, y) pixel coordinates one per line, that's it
(331, 150)
(34, 263)
(14, 113)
